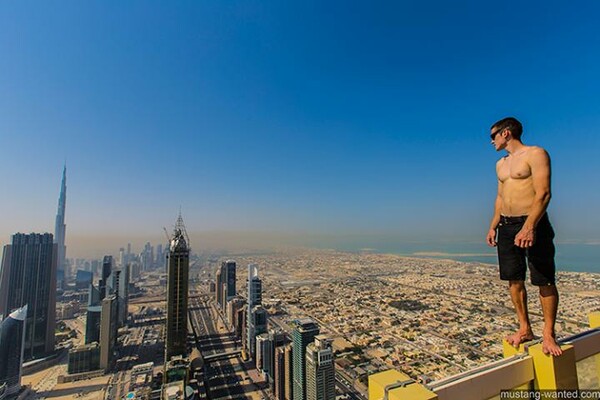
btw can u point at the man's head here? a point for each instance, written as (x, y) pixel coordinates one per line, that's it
(505, 130)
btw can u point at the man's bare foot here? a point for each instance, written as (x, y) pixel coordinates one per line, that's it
(520, 337)
(549, 346)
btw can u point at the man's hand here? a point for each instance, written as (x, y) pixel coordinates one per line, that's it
(525, 237)
(491, 238)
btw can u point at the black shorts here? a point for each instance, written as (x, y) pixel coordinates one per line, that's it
(540, 256)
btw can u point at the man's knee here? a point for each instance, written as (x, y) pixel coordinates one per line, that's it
(548, 290)
(516, 285)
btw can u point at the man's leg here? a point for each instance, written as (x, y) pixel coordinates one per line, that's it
(518, 295)
(549, 300)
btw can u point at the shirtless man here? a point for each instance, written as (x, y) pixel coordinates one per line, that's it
(522, 229)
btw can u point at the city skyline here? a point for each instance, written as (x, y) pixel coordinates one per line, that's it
(300, 119)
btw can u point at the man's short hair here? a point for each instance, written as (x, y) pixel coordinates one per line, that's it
(513, 125)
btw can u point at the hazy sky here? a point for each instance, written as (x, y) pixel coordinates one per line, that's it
(302, 117)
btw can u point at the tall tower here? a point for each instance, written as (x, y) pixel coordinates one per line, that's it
(29, 278)
(59, 227)
(12, 337)
(107, 266)
(304, 333)
(254, 299)
(109, 326)
(178, 264)
(229, 268)
(320, 372)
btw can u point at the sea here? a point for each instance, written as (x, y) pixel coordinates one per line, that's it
(577, 257)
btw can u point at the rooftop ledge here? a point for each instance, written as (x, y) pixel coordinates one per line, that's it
(522, 369)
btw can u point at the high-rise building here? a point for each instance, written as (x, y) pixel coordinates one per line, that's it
(113, 286)
(12, 339)
(218, 288)
(60, 228)
(233, 306)
(263, 350)
(320, 372)
(108, 331)
(122, 260)
(239, 324)
(93, 315)
(279, 373)
(28, 277)
(93, 323)
(160, 258)
(123, 295)
(228, 271)
(277, 339)
(254, 299)
(114, 281)
(304, 333)
(147, 257)
(178, 264)
(107, 265)
(258, 322)
(289, 372)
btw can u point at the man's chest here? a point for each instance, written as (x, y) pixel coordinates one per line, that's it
(513, 169)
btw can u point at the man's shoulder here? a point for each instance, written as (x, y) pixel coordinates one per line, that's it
(537, 152)
(536, 149)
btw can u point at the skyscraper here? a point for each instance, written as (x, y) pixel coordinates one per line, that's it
(92, 324)
(60, 228)
(254, 299)
(12, 338)
(108, 331)
(178, 263)
(218, 288)
(147, 257)
(320, 372)
(277, 339)
(29, 278)
(228, 270)
(289, 372)
(263, 353)
(304, 333)
(107, 264)
(258, 325)
(279, 373)
(123, 295)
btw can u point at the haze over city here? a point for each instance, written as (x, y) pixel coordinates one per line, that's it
(289, 124)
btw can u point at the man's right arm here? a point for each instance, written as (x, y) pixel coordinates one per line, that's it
(491, 236)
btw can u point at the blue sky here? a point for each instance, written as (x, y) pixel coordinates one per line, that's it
(305, 117)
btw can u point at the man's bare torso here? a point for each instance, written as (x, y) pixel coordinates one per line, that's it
(516, 182)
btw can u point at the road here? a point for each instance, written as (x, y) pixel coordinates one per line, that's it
(227, 378)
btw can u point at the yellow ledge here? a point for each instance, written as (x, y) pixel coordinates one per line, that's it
(414, 391)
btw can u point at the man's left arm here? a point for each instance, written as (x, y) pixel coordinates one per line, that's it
(540, 174)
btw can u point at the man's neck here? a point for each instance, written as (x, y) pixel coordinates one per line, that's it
(514, 146)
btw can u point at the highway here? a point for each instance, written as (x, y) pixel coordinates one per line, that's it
(225, 378)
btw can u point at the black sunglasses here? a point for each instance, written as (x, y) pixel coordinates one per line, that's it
(493, 135)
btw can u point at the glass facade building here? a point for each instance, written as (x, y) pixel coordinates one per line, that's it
(28, 277)
(303, 334)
